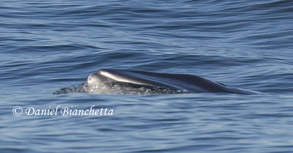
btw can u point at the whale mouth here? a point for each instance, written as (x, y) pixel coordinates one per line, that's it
(113, 81)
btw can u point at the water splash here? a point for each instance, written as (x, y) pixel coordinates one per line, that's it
(118, 88)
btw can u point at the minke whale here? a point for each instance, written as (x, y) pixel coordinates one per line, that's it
(118, 81)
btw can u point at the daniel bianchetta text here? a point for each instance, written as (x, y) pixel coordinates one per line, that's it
(61, 111)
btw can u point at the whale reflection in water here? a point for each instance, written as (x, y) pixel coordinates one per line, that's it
(114, 81)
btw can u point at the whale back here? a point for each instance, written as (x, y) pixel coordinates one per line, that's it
(189, 83)
(116, 81)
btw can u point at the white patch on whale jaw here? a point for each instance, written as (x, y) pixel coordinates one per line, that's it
(107, 85)
(116, 78)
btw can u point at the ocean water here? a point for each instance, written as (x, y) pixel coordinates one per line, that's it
(48, 45)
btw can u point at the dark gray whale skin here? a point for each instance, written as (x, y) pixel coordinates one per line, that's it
(186, 82)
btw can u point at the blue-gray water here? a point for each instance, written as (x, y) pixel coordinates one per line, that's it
(48, 45)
